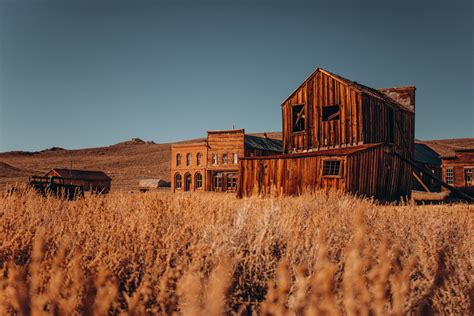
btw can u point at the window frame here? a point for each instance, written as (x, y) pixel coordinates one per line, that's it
(198, 159)
(293, 122)
(340, 168)
(179, 158)
(449, 179)
(198, 181)
(214, 159)
(176, 181)
(468, 171)
(225, 158)
(189, 159)
(328, 118)
(235, 158)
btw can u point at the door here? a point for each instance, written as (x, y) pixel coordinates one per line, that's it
(187, 182)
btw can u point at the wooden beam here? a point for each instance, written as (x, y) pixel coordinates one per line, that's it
(421, 182)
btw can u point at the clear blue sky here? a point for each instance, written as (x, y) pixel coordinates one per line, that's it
(90, 73)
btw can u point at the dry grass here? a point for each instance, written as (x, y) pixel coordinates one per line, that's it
(212, 254)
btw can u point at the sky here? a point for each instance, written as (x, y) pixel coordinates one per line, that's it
(78, 74)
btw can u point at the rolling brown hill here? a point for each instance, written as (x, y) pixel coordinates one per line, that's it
(126, 163)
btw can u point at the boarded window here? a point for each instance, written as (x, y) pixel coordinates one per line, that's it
(198, 159)
(214, 158)
(198, 180)
(331, 113)
(298, 118)
(449, 175)
(235, 158)
(224, 158)
(331, 168)
(188, 159)
(178, 160)
(177, 181)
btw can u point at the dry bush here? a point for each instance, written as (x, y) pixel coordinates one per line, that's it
(213, 254)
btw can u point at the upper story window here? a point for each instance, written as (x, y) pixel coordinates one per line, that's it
(449, 175)
(468, 176)
(188, 159)
(298, 118)
(214, 159)
(331, 113)
(178, 159)
(331, 168)
(198, 159)
(224, 158)
(235, 158)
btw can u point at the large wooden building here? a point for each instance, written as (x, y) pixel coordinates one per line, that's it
(339, 134)
(211, 164)
(93, 181)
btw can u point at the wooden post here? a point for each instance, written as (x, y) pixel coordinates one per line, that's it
(421, 182)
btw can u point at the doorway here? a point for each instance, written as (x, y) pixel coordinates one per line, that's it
(187, 182)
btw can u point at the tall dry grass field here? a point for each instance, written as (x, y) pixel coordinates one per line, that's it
(212, 254)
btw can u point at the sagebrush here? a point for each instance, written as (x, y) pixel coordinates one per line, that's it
(213, 254)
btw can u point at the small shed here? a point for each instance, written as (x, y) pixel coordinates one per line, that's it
(94, 181)
(153, 184)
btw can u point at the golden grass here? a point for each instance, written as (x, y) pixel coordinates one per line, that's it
(213, 254)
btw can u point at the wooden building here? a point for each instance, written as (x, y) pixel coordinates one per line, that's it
(93, 181)
(339, 134)
(211, 164)
(457, 170)
(428, 162)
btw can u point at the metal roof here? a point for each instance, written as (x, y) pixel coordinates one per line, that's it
(424, 154)
(262, 143)
(81, 174)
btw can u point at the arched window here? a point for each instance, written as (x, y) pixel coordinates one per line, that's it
(178, 159)
(198, 180)
(214, 158)
(177, 181)
(188, 159)
(198, 159)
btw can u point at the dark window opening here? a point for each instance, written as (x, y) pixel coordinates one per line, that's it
(391, 126)
(198, 180)
(177, 181)
(178, 160)
(224, 158)
(331, 113)
(231, 182)
(331, 168)
(298, 118)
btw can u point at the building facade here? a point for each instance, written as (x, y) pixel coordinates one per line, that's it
(212, 164)
(458, 169)
(339, 134)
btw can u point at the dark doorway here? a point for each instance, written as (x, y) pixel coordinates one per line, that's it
(187, 182)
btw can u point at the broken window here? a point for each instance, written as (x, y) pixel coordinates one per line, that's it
(198, 180)
(198, 159)
(188, 159)
(224, 158)
(298, 118)
(331, 113)
(449, 175)
(177, 181)
(214, 158)
(178, 160)
(331, 168)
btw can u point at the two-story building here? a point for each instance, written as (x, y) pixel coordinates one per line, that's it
(339, 134)
(457, 169)
(211, 164)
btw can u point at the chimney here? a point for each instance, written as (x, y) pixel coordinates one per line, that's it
(265, 135)
(403, 95)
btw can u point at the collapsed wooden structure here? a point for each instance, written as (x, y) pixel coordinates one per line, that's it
(93, 181)
(338, 134)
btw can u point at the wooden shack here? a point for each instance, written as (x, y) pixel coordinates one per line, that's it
(339, 134)
(457, 169)
(93, 181)
(212, 164)
(429, 165)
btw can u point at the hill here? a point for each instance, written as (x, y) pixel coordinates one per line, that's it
(126, 162)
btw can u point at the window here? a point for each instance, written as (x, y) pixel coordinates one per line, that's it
(177, 181)
(235, 158)
(468, 176)
(331, 168)
(217, 182)
(224, 158)
(198, 180)
(178, 160)
(214, 158)
(331, 113)
(449, 175)
(198, 159)
(231, 182)
(298, 118)
(188, 159)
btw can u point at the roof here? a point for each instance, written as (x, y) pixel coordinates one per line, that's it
(222, 131)
(446, 148)
(360, 87)
(325, 152)
(424, 154)
(262, 143)
(81, 174)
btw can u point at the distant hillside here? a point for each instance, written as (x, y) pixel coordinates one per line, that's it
(126, 162)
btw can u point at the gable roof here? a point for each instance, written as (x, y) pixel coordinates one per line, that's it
(262, 143)
(81, 174)
(357, 86)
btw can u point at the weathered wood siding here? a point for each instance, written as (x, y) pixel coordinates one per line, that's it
(225, 142)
